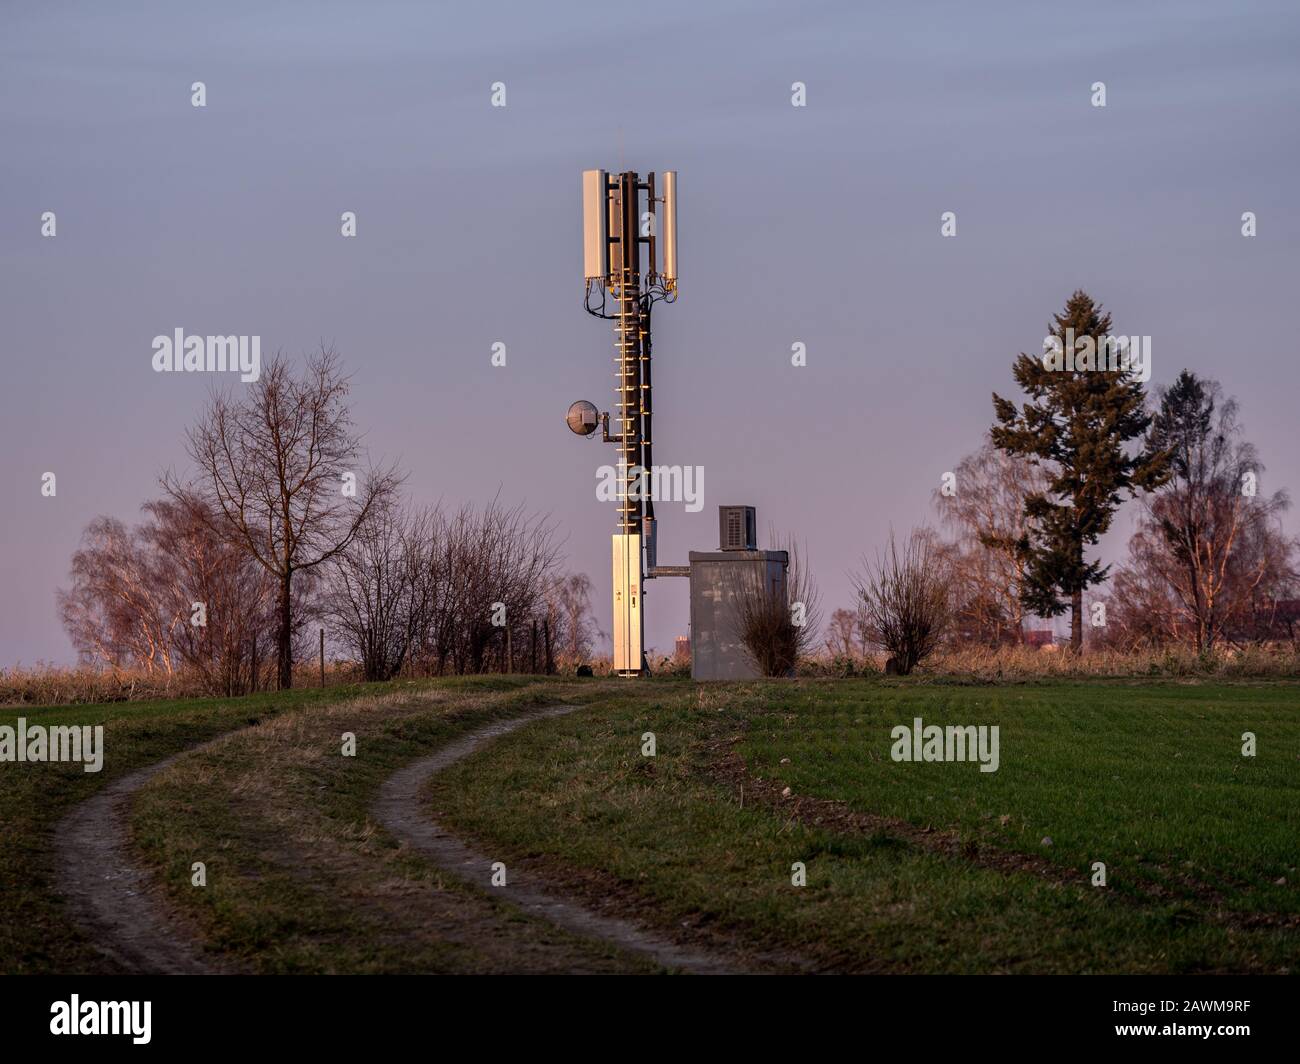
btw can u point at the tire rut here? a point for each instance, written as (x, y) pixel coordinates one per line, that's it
(399, 809)
(110, 896)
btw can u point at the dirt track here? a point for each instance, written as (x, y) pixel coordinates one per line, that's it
(113, 898)
(123, 912)
(399, 809)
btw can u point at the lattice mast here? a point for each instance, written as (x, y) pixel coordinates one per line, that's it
(623, 220)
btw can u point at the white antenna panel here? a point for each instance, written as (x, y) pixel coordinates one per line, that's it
(669, 229)
(595, 234)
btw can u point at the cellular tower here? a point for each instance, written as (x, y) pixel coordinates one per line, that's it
(628, 224)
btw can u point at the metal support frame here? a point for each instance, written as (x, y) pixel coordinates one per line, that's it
(633, 293)
(629, 629)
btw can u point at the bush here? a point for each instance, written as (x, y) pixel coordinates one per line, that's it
(904, 601)
(778, 627)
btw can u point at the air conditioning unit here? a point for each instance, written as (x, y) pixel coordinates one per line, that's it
(738, 527)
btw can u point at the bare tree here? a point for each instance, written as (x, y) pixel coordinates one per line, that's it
(1209, 533)
(379, 588)
(1142, 609)
(842, 634)
(488, 573)
(904, 600)
(112, 612)
(220, 599)
(984, 510)
(168, 595)
(279, 472)
(570, 619)
(1267, 607)
(1153, 602)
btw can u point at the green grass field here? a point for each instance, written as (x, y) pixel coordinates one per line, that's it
(1150, 780)
(909, 867)
(948, 872)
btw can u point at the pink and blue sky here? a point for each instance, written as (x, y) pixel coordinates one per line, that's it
(817, 224)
